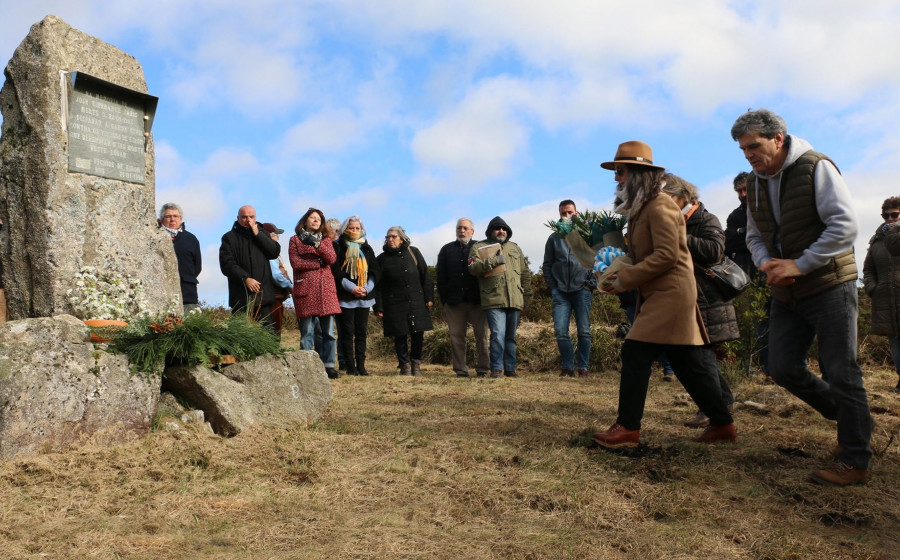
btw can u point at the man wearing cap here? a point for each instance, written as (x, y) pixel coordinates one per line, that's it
(800, 230)
(505, 285)
(280, 278)
(571, 286)
(244, 259)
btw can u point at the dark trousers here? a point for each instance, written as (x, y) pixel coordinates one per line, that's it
(354, 324)
(411, 351)
(692, 369)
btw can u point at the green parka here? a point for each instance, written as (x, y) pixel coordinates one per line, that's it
(510, 288)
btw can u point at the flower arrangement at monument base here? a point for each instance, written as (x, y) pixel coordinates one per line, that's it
(197, 339)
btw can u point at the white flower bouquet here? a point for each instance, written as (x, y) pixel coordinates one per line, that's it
(107, 295)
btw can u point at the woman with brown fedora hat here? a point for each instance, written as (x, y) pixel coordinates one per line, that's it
(667, 318)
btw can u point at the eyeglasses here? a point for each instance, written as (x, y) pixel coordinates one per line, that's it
(620, 171)
(501, 228)
(891, 215)
(392, 237)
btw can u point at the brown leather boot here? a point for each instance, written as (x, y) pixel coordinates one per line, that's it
(718, 434)
(699, 421)
(417, 368)
(618, 436)
(405, 369)
(840, 474)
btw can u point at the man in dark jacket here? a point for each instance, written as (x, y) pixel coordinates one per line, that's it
(571, 286)
(459, 295)
(187, 252)
(736, 228)
(244, 259)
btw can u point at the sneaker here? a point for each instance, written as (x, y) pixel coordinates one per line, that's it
(481, 374)
(668, 377)
(582, 373)
(510, 374)
(566, 373)
(332, 373)
(699, 421)
(618, 436)
(840, 474)
(496, 373)
(717, 434)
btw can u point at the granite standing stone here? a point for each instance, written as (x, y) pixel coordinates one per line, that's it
(56, 221)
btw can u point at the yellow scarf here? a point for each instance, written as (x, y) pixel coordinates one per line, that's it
(355, 264)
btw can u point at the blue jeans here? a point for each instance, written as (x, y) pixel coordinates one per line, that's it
(564, 304)
(503, 323)
(839, 394)
(308, 336)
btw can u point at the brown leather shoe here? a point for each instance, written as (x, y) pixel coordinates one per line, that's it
(566, 373)
(699, 421)
(618, 436)
(717, 434)
(840, 474)
(496, 373)
(582, 373)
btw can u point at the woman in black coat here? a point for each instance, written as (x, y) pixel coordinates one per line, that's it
(706, 243)
(881, 278)
(403, 297)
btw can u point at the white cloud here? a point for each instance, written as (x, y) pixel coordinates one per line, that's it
(329, 131)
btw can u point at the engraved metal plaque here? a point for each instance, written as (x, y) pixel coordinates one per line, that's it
(108, 127)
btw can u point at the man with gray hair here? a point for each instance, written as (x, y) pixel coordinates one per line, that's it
(187, 253)
(800, 230)
(461, 301)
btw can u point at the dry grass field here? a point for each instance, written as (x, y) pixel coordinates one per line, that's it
(448, 468)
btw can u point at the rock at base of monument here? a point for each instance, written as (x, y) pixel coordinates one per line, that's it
(267, 391)
(57, 390)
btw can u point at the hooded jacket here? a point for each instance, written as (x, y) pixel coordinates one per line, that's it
(512, 286)
(244, 255)
(561, 268)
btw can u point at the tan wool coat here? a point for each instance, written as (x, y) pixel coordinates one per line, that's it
(663, 274)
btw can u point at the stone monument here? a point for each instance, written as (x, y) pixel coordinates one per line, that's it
(77, 181)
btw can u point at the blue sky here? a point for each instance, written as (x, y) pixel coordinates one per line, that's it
(417, 112)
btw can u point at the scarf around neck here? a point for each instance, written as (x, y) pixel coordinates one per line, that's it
(355, 264)
(173, 232)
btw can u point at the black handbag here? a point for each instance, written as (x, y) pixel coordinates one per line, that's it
(728, 277)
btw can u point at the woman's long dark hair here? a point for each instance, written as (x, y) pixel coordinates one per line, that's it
(302, 223)
(642, 177)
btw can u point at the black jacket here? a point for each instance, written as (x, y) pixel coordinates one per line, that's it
(187, 251)
(404, 289)
(244, 255)
(454, 283)
(706, 242)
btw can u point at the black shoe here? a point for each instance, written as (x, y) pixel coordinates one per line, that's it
(332, 373)
(362, 372)
(481, 374)
(462, 374)
(510, 374)
(352, 372)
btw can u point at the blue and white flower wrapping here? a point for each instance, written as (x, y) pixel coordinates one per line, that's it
(605, 256)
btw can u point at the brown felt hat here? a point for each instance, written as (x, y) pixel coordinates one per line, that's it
(633, 152)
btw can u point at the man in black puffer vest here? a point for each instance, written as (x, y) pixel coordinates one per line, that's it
(800, 230)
